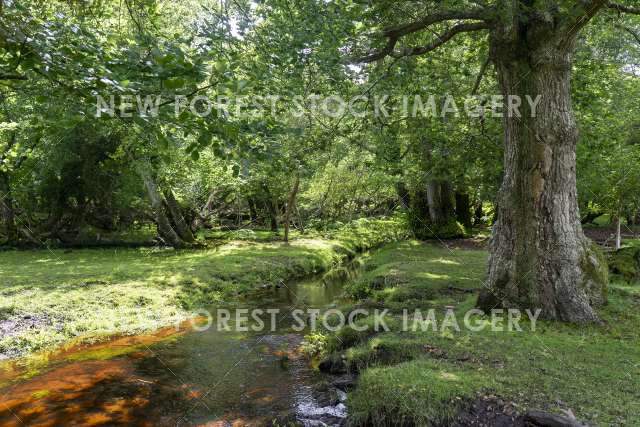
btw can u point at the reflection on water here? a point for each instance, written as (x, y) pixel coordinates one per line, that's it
(207, 378)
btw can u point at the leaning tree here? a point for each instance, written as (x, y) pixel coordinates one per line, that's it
(540, 257)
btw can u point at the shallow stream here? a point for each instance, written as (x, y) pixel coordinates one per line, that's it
(193, 378)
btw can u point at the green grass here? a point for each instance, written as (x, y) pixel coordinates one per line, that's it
(421, 392)
(421, 378)
(96, 292)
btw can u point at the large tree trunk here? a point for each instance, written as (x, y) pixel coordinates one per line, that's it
(447, 198)
(540, 258)
(290, 206)
(162, 221)
(440, 199)
(7, 213)
(181, 226)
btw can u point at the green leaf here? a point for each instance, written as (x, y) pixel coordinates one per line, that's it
(174, 83)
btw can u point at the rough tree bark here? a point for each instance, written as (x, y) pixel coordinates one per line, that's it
(290, 205)
(434, 201)
(440, 199)
(540, 257)
(181, 226)
(157, 203)
(447, 198)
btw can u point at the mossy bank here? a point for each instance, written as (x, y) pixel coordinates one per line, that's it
(49, 297)
(416, 377)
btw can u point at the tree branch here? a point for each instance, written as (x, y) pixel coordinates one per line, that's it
(630, 31)
(442, 39)
(12, 77)
(393, 34)
(483, 70)
(441, 16)
(623, 9)
(375, 56)
(589, 9)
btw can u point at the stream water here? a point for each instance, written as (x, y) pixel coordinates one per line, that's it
(197, 378)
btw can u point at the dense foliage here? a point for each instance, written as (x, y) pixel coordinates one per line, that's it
(73, 172)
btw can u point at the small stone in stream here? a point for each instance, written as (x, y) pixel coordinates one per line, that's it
(345, 383)
(328, 398)
(333, 365)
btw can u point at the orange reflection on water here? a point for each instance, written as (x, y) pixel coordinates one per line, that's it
(76, 390)
(73, 395)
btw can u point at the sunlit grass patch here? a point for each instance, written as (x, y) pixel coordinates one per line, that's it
(49, 297)
(420, 392)
(592, 370)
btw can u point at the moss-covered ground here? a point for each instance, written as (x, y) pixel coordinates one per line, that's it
(48, 297)
(425, 377)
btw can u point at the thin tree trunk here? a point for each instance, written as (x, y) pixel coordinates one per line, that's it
(403, 195)
(253, 211)
(477, 213)
(7, 213)
(540, 258)
(618, 232)
(181, 226)
(157, 203)
(434, 201)
(290, 205)
(272, 207)
(463, 209)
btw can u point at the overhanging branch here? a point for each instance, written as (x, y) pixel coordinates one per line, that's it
(633, 33)
(393, 34)
(441, 16)
(483, 70)
(12, 77)
(442, 39)
(623, 9)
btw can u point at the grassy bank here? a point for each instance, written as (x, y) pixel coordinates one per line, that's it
(49, 297)
(426, 377)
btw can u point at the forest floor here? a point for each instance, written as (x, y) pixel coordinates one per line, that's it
(51, 297)
(431, 377)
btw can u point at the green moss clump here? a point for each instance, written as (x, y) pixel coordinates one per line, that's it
(384, 349)
(625, 264)
(421, 392)
(424, 376)
(596, 277)
(451, 229)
